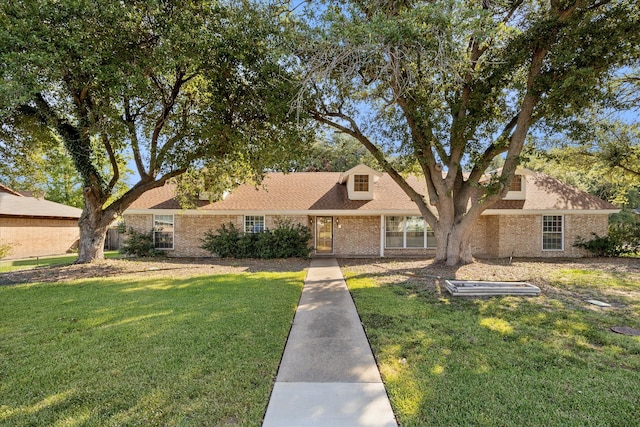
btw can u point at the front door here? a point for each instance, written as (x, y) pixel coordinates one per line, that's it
(324, 234)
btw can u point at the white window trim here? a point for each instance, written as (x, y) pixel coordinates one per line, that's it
(368, 183)
(518, 195)
(404, 233)
(173, 232)
(264, 222)
(561, 234)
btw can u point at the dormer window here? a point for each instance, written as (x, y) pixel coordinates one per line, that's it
(516, 183)
(361, 183)
(517, 188)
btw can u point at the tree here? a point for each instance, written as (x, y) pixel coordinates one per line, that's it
(338, 153)
(455, 84)
(47, 171)
(585, 172)
(174, 84)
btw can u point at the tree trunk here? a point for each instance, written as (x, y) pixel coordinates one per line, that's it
(93, 223)
(459, 244)
(453, 243)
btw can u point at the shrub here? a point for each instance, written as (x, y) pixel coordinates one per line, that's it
(285, 241)
(288, 239)
(224, 243)
(4, 250)
(138, 244)
(623, 238)
(602, 246)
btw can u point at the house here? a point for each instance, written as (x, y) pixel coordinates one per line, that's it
(364, 213)
(36, 227)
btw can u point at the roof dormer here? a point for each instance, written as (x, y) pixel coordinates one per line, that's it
(518, 187)
(359, 181)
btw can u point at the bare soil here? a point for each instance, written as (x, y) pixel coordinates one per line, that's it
(427, 276)
(149, 268)
(535, 271)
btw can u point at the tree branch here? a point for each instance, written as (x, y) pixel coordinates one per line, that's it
(130, 122)
(167, 107)
(118, 206)
(355, 132)
(114, 163)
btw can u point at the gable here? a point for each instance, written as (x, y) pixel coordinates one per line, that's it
(360, 181)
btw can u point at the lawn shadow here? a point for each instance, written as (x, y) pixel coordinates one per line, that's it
(145, 351)
(547, 360)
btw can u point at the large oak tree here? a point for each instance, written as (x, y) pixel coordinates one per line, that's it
(455, 84)
(172, 84)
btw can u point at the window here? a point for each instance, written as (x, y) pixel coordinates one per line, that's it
(253, 223)
(395, 232)
(415, 232)
(516, 183)
(361, 183)
(163, 231)
(552, 235)
(408, 232)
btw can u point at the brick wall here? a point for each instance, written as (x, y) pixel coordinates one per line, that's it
(29, 237)
(140, 223)
(521, 235)
(271, 221)
(493, 235)
(356, 236)
(189, 229)
(410, 252)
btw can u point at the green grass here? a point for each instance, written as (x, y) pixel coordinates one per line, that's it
(191, 352)
(507, 361)
(11, 265)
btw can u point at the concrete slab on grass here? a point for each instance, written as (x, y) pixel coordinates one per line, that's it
(330, 405)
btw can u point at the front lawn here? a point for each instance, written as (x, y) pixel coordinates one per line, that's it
(199, 351)
(504, 361)
(11, 265)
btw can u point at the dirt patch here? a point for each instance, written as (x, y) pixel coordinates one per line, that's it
(149, 268)
(417, 271)
(423, 275)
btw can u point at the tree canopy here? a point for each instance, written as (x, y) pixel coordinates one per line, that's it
(334, 153)
(455, 84)
(173, 85)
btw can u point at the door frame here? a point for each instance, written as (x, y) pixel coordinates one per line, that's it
(317, 231)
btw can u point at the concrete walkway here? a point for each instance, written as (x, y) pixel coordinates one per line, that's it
(328, 376)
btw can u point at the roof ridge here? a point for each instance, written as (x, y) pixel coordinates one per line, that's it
(5, 189)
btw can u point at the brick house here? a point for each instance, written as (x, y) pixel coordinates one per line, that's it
(36, 227)
(363, 213)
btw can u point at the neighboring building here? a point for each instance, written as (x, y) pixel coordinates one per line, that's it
(364, 213)
(35, 227)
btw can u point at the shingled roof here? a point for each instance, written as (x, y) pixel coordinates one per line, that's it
(5, 189)
(544, 192)
(321, 191)
(12, 205)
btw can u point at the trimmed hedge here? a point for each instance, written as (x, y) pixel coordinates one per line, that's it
(287, 240)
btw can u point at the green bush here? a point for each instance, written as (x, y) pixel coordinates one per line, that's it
(224, 243)
(138, 244)
(285, 241)
(623, 238)
(4, 250)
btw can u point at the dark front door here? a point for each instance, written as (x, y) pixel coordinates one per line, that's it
(324, 234)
